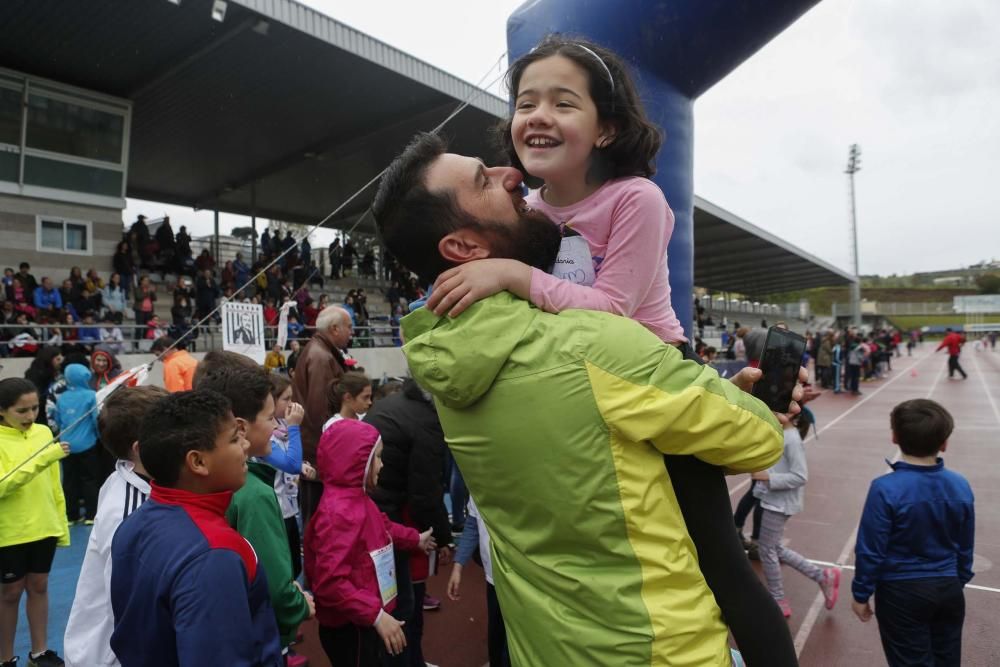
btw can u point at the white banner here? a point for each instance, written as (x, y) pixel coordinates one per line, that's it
(243, 329)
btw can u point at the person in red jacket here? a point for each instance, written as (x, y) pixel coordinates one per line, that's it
(954, 342)
(349, 547)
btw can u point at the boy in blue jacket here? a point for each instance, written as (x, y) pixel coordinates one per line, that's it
(186, 589)
(914, 547)
(82, 468)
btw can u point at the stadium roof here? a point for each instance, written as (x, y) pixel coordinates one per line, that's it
(281, 111)
(276, 95)
(732, 255)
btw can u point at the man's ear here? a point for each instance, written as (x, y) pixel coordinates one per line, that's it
(464, 245)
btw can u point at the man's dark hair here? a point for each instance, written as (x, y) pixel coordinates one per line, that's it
(246, 388)
(24, 265)
(921, 426)
(216, 359)
(637, 140)
(122, 414)
(175, 425)
(410, 218)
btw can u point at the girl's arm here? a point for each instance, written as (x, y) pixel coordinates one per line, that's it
(798, 473)
(29, 470)
(641, 226)
(468, 542)
(287, 460)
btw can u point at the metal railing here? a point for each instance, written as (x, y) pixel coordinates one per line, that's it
(380, 332)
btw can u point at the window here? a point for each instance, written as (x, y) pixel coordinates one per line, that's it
(66, 236)
(73, 129)
(10, 116)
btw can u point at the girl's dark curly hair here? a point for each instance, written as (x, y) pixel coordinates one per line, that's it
(637, 140)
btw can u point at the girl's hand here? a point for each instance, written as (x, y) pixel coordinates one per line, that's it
(458, 288)
(391, 632)
(294, 414)
(65, 448)
(427, 543)
(455, 582)
(863, 610)
(308, 471)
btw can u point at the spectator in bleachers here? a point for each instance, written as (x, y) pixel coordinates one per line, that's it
(305, 251)
(183, 246)
(335, 254)
(48, 301)
(205, 262)
(88, 300)
(88, 334)
(7, 281)
(155, 328)
(76, 277)
(165, 239)
(26, 339)
(135, 248)
(123, 266)
(275, 361)
(68, 294)
(265, 241)
(348, 305)
(111, 336)
(241, 269)
(366, 269)
(293, 356)
(140, 240)
(228, 276)
(28, 281)
(309, 313)
(145, 297)
(295, 328)
(113, 298)
(206, 292)
(348, 258)
(93, 281)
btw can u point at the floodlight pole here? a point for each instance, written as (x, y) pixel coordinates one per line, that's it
(854, 166)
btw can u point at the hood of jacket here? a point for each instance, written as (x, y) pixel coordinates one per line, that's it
(345, 452)
(458, 359)
(78, 376)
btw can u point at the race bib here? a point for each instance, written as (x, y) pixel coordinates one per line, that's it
(385, 570)
(574, 262)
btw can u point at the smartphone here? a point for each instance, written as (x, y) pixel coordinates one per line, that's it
(780, 361)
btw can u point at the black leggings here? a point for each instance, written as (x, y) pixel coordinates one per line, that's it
(351, 646)
(758, 626)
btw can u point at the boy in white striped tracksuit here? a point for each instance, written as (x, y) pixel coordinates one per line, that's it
(91, 621)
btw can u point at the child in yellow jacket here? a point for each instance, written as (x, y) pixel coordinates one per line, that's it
(32, 518)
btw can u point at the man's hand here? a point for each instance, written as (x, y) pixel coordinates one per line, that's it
(294, 414)
(458, 288)
(747, 377)
(427, 543)
(65, 448)
(391, 632)
(762, 476)
(455, 582)
(863, 610)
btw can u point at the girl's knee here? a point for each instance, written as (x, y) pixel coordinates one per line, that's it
(11, 593)
(37, 584)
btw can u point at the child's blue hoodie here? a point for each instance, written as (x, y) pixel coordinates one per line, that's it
(72, 404)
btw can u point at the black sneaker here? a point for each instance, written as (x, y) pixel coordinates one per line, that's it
(47, 659)
(10, 663)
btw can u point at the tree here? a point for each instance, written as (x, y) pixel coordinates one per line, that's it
(988, 283)
(243, 232)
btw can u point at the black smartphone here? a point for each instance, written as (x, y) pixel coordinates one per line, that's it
(780, 361)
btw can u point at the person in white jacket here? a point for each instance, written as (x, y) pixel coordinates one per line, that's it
(88, 633)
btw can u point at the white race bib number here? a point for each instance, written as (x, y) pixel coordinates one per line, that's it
(574, 262)
(385, 570)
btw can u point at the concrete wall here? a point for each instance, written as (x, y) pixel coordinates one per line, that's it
(18, 236)
(378, 362)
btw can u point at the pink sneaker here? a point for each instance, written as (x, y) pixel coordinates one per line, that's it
(296, 660)
(431, 604)
(830, 585)
(786, 609)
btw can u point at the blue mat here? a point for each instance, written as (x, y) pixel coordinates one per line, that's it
(62, 588)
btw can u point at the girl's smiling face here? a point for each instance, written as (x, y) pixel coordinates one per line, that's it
(22, 414)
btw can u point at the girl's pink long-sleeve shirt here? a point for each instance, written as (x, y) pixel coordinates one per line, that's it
(627, 224)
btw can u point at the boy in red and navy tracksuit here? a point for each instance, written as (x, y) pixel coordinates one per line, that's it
(186, 589)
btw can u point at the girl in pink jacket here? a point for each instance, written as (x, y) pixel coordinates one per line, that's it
(349, 550)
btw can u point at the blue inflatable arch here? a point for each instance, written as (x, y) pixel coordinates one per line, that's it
(678, 50)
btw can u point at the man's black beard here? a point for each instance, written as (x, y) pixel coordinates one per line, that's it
(534, 240)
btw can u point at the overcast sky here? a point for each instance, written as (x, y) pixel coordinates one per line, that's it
(915, 83)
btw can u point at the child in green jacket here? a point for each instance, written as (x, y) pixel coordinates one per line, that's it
(32, 518)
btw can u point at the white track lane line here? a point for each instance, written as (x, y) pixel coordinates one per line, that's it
(809, 622)
(986, 387)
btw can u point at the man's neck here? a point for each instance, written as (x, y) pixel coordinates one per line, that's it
(919, 460)
(138, 468)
